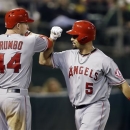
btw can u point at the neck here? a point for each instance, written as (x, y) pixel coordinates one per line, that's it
(10, 31)
(87, 49)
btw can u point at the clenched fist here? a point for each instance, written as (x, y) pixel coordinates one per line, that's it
(55, 32)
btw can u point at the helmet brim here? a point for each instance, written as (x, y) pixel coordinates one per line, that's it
(71, 32)
(30, 20)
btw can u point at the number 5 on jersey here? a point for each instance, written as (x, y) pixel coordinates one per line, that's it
(89, 88)
(14, 63)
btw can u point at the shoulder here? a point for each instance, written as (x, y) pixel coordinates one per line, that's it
(71, 51)
(37, 37)
(101, 57)
(101, 54)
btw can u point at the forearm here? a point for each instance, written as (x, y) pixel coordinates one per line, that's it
(42, 60)
(45, 60)
(125, 88)
(48, 52)
(45, 57)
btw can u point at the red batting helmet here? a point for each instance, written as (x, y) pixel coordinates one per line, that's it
(14, 16)
(84, 30)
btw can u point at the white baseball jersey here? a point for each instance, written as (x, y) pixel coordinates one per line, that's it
(16, 53)
(89, 78)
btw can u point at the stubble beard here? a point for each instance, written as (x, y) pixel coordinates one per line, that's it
(75, 47)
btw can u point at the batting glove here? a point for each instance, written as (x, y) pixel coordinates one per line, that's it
(55, 32)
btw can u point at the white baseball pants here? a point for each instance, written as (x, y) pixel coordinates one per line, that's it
(93, 116)
(15, 110)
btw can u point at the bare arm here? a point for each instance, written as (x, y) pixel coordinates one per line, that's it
(45, 57)
(125, 88)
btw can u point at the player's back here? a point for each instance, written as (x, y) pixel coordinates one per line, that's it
(16, 54)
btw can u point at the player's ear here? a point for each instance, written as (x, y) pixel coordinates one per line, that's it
(18, 25)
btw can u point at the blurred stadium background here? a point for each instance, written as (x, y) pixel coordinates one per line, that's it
(51, 108)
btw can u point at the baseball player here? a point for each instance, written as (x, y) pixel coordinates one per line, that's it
(16, 53)
(89, 75)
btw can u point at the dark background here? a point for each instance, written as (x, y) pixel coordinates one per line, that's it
(112, 20)
(56, 112)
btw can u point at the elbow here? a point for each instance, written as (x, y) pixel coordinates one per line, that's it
(42, 62)
(128, 97)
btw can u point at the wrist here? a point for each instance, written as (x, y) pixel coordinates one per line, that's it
(53, 37)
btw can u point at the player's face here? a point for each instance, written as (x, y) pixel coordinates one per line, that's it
(23, 28)
(75, 42)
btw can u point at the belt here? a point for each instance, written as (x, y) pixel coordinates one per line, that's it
(13, 91)
(79, 107)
